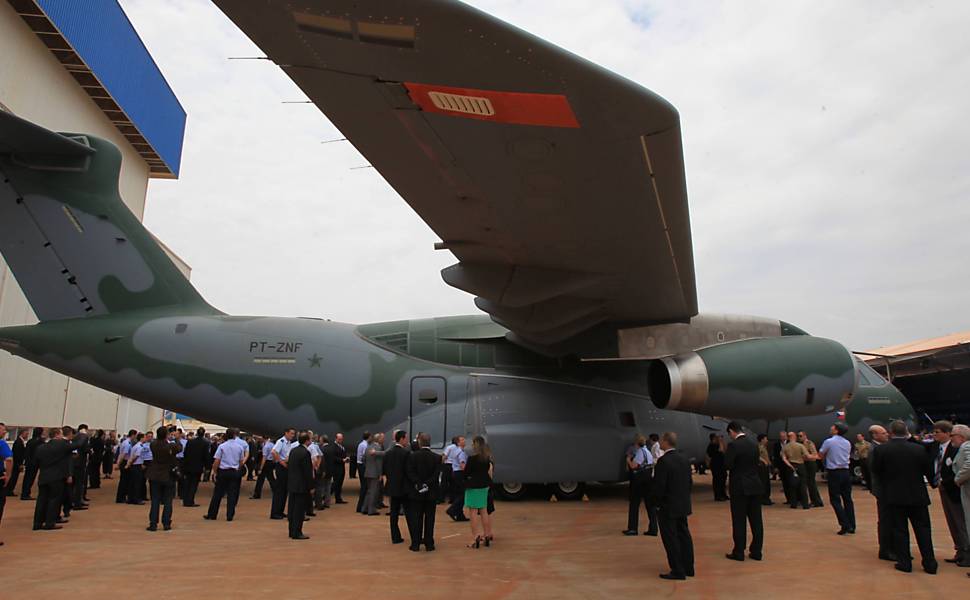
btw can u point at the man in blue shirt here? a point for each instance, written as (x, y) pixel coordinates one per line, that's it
(836, 452)
(458, 459)
(124, 475)
(136, 468)
(361, 449)
(280, 453)
(6, 468)
(267, 470)
(227, 464)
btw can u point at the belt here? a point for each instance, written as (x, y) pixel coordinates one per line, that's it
(838, 469)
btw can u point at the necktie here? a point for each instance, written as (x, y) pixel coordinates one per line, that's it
(939, 462)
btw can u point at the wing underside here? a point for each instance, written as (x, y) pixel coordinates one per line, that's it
(557, 185)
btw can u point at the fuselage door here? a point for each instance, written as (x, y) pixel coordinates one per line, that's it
(429, 403)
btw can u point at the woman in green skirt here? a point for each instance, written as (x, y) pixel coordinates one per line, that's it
(478, 478)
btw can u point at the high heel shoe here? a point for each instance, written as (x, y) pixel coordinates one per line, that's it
(477, 544)
(488, 541)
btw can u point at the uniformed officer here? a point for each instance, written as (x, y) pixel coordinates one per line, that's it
(837, 451)
(811, 469)
(124, 477)
(267, 470)
(641, 467)
(281, 452)
(315, 456)
(794, 455)
(448, 458)
(458, 460)
(764, 468)
(181, 440)
(136, 468)
(227, 465)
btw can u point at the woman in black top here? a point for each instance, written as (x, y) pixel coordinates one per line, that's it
(478, 478)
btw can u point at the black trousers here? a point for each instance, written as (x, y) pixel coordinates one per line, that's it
(298, 507)
(49, 499)
(421, 514)
(397, 504)
(811, 470)
(884, 529)
(79, 486)
(12, 482)
(338, 484)
(162, 492)
(279, 492)
(797, 485)
(124, 483)
(190, 487)
(764, 473)
(457, 508)
(94, 473)
(363, 488)
(30, 474)
(639, 490)
(785, 474)
(180, 482)
(919, 518)
(353, 469)
(267, 473)
(227, 484)
(136, 484)
(675, 535)
(746, 511)
(719, 479)
(840, 495)
(3, 504)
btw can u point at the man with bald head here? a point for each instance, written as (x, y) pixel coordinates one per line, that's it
(880, 436)
(960, 438)
(943, 450)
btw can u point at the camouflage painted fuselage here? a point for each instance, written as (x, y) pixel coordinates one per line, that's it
(547, 421)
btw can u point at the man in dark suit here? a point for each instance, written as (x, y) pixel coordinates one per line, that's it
(19, 456)
(422, 474)
(30, 462)
(79, 468)
(670, 493)
(395, 468)
(194, 458)
(337, 470)
(746, 490)
(299, 485)
(900, 467)
(54, 464)
(942, 453)
(884, 528)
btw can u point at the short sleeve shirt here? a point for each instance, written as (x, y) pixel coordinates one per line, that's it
(268, 450)
(642, 457)
(795, 453)
(282, 448)
(5, 453)
(810, 447)
(837, 450)
(229, 454)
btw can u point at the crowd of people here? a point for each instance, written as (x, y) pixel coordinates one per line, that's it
(305, 473)
(896, 468)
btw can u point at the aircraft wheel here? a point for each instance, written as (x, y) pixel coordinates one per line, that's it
(569, 490)
(510, 490)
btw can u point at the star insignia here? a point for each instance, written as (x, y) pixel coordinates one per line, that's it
(315, 360)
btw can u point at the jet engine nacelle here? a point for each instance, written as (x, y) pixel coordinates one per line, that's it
(762, 378)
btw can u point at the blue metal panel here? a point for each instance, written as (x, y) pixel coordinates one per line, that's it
(100, 32)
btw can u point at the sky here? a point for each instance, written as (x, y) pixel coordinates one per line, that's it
(825, 151)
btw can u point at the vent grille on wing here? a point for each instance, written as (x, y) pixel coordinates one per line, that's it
(470, 105)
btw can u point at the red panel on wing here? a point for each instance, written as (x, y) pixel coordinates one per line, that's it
(519, 108)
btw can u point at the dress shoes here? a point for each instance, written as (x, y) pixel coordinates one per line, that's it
(414, 548)
(277, 518)
(79, 508)
(229, 519)
(963, 562)
(429, 548)
(397, 541)
(62, 521)
(208, 518)
(852, 531)
(733, 556)
(754, 556)
(887, 556)
(300, 537)
(842, 531)
(52, 527)
(629, 532)
(931, 568)
(167, 527)
(341, 502)
(673, 576)
(27, 498)
(903, 568)
(191, 505)
(151, 528)
(650, 532)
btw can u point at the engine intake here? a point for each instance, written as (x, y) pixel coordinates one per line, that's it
(763, 378)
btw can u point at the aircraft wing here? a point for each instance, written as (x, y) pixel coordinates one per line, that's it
(558, 185)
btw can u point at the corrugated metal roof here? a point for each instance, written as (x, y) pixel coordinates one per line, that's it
(925, 346)
(99, 47)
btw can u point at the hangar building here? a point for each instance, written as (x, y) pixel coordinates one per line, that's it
(79, 66)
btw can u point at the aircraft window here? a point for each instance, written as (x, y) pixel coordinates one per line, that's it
(427, 397)
(627, 419)
(181, 328)
(869, 377)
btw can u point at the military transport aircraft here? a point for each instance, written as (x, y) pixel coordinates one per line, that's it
(557, 185)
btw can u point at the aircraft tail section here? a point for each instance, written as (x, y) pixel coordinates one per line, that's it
(74, 247)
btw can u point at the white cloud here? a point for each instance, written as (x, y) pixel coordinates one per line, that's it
(825, 155)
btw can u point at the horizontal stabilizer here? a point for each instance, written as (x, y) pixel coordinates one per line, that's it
(23, 138)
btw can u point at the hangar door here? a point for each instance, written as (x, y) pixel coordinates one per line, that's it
(429, 403)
